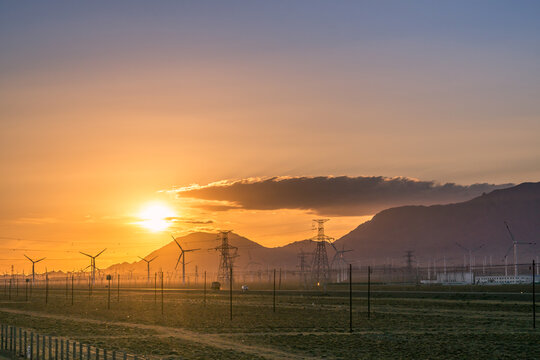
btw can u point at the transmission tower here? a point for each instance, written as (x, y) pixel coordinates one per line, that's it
(302, 257)
(320, 270)
(409, 260)
(227, 253)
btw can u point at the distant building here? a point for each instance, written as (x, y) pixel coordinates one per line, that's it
(455, 278)
(502, 279)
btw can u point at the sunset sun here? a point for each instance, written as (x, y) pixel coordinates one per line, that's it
(156, 217)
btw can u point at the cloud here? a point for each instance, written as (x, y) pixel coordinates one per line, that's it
(326, 195)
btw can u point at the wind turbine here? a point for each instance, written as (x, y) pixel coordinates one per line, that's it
(339, 263)
(93, 263)
(470, 253)
(183, 257)
(514, 245)
(148, 265)
(33, 264)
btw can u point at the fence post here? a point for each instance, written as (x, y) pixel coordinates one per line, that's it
(88, 352)
(61, 349)
(369, 292)
(20, 342)
(67, 349)
(50, 347)
(80, 351)
(37, 347)
(350, 297)
(25, 350)
(46, 289)
(31, 345)
(204, 287)
(118, 289)
(97, 353)
(74, 350)
(43, 345)
(56, 349)
(162, 293)
(104, 354)
(274, 293)
(114, 355)
(230, 291)
(534, 296)
(72, 291)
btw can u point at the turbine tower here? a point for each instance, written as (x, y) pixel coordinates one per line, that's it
(320, 270)
(339, 264)
(470, 251)
(148, 266)
(227, 254)
(183, 258)
(33, 265)
(93, 263)
(514, 245)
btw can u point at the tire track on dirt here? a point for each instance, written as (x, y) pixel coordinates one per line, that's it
(211, 340)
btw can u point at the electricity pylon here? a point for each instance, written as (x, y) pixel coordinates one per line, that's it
(302, 257)
(320, 270)
(227, 254)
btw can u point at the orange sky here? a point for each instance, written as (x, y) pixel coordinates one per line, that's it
(103, 109)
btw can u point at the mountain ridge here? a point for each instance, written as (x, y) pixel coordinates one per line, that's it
(431, 231)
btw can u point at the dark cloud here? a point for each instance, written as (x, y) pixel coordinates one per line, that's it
(332, 196)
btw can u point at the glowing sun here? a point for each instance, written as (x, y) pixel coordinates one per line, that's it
(156, 217)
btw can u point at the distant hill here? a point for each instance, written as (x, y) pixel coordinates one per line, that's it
(432, 231)
(429, 231)
(252, 256)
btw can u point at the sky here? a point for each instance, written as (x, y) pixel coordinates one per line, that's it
(253, 116)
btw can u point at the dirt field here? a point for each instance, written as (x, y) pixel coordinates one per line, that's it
(405, 322)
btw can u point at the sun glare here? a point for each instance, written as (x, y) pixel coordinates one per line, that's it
(156, 217)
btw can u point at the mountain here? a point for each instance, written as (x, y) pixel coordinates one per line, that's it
(433, 231)
(252, 256)
(430, 231)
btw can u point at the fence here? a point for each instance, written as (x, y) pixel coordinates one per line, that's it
(21, 343)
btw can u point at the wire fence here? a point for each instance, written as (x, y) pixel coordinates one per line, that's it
(16, 342)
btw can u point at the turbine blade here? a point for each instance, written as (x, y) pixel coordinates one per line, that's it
(177, 243)
(178, 261)
(154, 258)
(28, 258)
(101, 252)
(40, 260)
(85, 254)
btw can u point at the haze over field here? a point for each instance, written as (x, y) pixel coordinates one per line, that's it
(120, 127)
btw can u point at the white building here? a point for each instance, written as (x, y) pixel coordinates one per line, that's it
(508, 279)
(455, 278)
